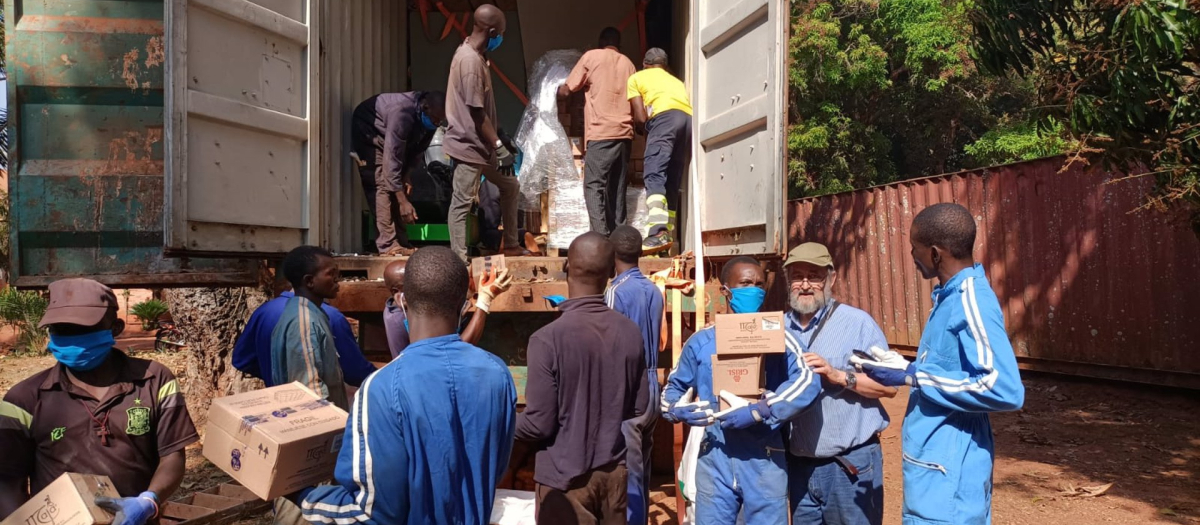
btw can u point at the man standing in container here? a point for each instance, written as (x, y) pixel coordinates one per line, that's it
(742, 468)
(430, 434)
(965, 368)
(662, 108)
(835, 471)
(389, 132)
(97, 411)
(471, 136)
(635, 297)
(602, 74)
(586, 377)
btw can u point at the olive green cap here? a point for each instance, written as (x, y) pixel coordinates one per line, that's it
(810, 252)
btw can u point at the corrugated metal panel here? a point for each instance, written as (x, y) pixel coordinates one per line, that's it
(86, 114)
(363, 52)
(1082, 281)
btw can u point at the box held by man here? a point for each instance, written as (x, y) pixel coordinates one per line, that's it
(68, 500)
(739, 375)
(276, 440)
(750, 334)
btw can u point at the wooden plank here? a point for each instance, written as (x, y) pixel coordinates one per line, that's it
(214, 501)
(183, 512)
(239, 492)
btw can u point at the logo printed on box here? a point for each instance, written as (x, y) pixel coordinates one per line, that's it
(737, 374)
(47, 513)
(235, 459)
(771, 322)
(750, 326)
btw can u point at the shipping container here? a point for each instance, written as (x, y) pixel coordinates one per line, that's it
(153, 142)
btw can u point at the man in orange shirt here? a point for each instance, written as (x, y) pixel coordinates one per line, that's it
(608, 129)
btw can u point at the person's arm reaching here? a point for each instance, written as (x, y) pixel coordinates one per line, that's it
(991, 381)
(490, 285)
(355, 367)
(798, 391)
(168, 475)
(372, 468)
(633, 92)
(539, 421)
(395, 144)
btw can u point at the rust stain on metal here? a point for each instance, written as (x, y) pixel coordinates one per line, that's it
(155, 53)
(1080, 279)
(131, 69)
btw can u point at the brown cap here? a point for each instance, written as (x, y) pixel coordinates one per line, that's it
(81, 302)
(810, 252)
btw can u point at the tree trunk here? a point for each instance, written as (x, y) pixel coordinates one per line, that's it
(211, 319)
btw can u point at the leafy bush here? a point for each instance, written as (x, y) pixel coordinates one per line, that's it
(148, 311)
(23, 310)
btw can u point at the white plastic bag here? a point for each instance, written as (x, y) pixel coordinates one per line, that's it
(512, 507)
(687, 465)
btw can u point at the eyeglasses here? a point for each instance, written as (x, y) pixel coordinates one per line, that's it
(813, 282)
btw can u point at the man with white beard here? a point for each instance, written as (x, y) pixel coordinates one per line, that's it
(835, 467)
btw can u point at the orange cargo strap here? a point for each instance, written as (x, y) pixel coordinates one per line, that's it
(461, 27)
(639, 14)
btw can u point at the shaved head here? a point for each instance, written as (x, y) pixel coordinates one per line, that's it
(488, 17)
(590, 263)
(393, 275)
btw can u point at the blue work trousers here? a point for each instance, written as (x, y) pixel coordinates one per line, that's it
(746, 478)
(639, 442)
(823, 492)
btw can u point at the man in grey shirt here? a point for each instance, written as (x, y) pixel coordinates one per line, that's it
(835, 470)
(471, 136)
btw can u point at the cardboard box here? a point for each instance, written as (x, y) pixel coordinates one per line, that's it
(750, 334)
(481, 265)
(275, 441)
(739, 375)
(68, 500)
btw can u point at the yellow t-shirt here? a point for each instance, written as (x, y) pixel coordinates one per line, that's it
(660, 91)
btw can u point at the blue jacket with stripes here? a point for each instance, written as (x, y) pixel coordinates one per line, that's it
(428, 438)
(965, 369)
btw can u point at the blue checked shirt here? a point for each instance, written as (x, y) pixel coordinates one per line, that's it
(840, 419)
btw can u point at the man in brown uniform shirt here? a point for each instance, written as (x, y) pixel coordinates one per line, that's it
(471, 138)
(97, 411)
(608, 129)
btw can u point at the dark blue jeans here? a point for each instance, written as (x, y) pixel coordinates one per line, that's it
(668, 152)
(822, 492)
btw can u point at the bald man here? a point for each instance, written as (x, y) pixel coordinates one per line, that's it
(471, 136)
(395, 318)
(587, 375)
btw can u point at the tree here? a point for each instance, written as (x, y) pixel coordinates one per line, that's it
(882, 90)
(1122, 78)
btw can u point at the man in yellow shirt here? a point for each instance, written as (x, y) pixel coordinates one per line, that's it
(662, 110)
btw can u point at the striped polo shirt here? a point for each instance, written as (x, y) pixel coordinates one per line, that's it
(839, 419)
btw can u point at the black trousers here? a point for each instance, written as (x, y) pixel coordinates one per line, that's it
(605, 170)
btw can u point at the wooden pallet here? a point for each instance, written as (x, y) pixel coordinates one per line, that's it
(219, 505)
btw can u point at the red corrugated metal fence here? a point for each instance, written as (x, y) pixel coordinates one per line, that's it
(1087, 287)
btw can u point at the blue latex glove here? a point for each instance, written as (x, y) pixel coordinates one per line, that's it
(130, 511)
(745, 417)
(886, 367)
(694, 413)
(554, 300)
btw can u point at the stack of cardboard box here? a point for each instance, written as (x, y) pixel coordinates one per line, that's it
(742, 342)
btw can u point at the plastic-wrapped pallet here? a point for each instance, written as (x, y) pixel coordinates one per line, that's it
(546, 162)
(636, 210)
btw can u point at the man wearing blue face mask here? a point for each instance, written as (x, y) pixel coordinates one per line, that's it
(389, 132)
(98, 411)
(742, 468)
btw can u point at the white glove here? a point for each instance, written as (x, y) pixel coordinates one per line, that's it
(694, 413)
(883, 358)
(491, 284)
(735, 402)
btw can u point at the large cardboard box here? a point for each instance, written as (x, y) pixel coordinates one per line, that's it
(750, 334)
(740, 375)
(275, 441)
(68, 500)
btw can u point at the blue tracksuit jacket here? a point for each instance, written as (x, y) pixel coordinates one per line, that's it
(965, 369)
(428, 438)
(745, 469)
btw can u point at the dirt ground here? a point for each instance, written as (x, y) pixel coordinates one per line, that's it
(1072, 437)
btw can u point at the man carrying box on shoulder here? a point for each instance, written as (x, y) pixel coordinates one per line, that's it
(742, 466)
(98, 411)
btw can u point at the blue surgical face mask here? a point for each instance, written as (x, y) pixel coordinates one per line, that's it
(494, 42)
(427, 122)
(746, 300)
(82, 352)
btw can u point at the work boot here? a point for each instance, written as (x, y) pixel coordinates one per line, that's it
(656, 243)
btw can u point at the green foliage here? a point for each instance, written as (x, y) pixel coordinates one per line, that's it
(148, 312)
(881, 90)
(1013, 143)
(23, 310)
(1123, 77)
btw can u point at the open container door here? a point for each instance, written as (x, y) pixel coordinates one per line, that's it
(243, 166)
(738, 98)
